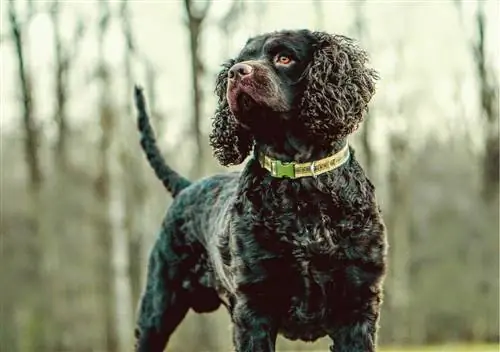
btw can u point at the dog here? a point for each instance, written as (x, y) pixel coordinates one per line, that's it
(293, 244)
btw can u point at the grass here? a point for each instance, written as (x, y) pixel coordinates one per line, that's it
(322, 345)
(445, 348)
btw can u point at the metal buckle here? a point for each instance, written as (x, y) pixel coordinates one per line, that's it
(313, 169)
(282, 169)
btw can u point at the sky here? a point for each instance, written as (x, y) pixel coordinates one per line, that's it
(419, 48)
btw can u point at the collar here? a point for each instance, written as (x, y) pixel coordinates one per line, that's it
(281, 169)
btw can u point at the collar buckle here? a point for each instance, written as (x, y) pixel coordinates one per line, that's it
(282, 169)
(313, 169)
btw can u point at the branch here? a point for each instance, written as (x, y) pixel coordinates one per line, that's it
(197, 15)
(78, 34)
(127, 28)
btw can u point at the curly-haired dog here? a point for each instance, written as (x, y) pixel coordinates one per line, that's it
(293, 244)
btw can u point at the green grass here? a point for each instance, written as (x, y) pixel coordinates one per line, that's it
(445, 348)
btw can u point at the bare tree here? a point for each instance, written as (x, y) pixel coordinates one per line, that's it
(398, 220)
(398, 226)
(488, 110)
(366, 128)
(37, 324)
(196, 16)
(136, 215)
(114, 202)
(63, 59)
(103, 184)
(488, 83)
(32, 138)
(488, 94)
(64, 53)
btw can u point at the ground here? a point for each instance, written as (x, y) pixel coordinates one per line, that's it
(446, 348)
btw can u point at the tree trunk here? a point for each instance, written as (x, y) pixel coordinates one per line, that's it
(398, 222)
(195, 20)
(488, 83)
(136, 199)
(32, 313)
(120, 321)
(365, 131)
(489, 109)
(32, 135)
(120, 251)
(60, 90)
(104, 270)
(103, 192)
(115, 284)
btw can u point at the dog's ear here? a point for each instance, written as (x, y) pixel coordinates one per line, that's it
(338, 88)
(231, 143)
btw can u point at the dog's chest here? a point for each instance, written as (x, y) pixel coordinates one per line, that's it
(310, 301)
(311, 251)
(294, 250)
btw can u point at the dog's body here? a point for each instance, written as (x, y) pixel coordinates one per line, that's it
(304, 257)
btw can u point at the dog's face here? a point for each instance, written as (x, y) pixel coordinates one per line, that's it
(313, 84)
(266, 75)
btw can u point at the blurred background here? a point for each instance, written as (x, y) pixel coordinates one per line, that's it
(80, 207)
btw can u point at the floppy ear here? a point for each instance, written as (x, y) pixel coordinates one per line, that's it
(230, 142)
(339, 86)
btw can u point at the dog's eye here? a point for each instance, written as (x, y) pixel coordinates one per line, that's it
(283, 59)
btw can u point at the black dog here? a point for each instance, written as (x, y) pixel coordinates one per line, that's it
(293, 244)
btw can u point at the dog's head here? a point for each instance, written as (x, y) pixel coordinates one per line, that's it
(313, 83)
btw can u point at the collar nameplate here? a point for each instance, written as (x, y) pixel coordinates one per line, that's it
(280, 169)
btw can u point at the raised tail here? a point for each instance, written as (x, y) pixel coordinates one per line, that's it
(172, 181)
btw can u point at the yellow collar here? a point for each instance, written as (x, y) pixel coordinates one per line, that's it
(280, 169)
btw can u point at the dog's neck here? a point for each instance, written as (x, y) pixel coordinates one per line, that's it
(277, 137)
(292, 150)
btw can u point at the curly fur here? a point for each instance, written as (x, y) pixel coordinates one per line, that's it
(301, 257)
(231, 143)
(339, 88)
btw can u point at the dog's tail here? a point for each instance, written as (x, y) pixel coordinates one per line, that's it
(172, 181)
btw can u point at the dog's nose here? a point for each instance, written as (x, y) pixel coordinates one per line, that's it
(240, 69)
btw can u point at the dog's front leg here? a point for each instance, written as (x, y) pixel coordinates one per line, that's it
(357, 329)
(254, 329)
(355, 337)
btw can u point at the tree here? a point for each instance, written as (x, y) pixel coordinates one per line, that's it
(195, 21)
(488, 110)
(63, 60)
(488, 83)
(367, 127)
(36, 325)
(488, 97)
(32, 138)
(398, 219)
(102, 189)
(136, 191)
